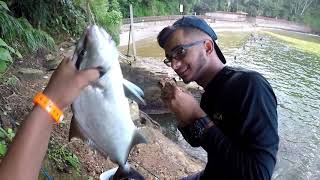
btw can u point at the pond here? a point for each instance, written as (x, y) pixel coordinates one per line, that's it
(295, 77)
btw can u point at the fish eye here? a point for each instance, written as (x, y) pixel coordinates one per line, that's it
(82, 52)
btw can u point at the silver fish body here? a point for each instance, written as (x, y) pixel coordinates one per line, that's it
(101, 112)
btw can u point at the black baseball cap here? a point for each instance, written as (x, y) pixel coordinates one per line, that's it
(192, 22)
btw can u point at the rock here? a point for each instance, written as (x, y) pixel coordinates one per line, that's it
(52, 64)
(68, 52)
(163, 158)
(134, 110)
(49, 57)
(146, 120)
(67, 44)
(30, 73)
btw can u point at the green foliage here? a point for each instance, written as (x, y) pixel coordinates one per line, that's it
(11, 81)
(10, 27)
(296, 10)
(35, 39)
(53, 16)
(3, 6)
(108, 15)
(62, 157)
(149, 7)
(3, 148)
(312, 17)
(19, 33)
(6, 136)
(5, 55)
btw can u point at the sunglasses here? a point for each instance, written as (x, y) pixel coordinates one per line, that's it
(180, 52)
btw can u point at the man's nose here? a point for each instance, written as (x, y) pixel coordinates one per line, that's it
(175, 64)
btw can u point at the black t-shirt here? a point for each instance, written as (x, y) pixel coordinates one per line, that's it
(244, 142)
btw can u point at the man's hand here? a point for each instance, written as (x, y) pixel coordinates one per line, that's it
(183, 104)
(67, 82)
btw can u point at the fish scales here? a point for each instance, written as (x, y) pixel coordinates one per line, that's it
(101, 113)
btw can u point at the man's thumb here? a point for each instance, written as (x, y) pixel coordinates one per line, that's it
(91, 75)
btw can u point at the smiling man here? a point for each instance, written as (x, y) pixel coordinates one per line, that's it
(236, 121)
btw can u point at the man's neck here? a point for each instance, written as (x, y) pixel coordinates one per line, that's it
(209, 74)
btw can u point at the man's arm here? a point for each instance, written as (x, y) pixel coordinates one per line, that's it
(27, 151)
(255, 156)
(25, 154)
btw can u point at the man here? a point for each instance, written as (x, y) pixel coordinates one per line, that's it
(236, 121)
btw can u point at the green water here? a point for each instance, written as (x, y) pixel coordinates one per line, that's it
(295, 78)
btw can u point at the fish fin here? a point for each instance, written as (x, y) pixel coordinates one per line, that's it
(138, 138)
(134, 92)
(75, 130)
(127, 172)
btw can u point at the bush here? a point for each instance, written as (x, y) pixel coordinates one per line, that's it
(19, 33)
(52, 16)
(108, 15)
(5, 55)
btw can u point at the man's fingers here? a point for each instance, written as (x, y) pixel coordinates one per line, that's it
(89, 75)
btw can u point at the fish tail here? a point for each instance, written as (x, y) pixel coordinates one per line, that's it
(127, 172)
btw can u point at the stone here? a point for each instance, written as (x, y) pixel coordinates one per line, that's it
(49, 57)
(53, 64)
(30, 73)
(134, 110)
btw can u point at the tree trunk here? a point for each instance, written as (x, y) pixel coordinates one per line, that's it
(306, 6)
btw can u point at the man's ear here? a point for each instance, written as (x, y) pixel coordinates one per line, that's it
(209, 47)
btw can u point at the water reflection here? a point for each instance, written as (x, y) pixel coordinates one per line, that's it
(294, 76)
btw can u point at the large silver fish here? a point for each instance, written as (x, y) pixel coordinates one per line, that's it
(101, 114)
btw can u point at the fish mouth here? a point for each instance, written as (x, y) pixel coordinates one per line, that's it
(82, 50)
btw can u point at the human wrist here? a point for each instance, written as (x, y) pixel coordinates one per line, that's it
(54, 98)
(40, 112)
(49, 106)
(196, 132)
(199, 128)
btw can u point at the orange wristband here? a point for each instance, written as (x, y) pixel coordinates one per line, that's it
(50, 107)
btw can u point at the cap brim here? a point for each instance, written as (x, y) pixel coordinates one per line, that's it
(219, 53)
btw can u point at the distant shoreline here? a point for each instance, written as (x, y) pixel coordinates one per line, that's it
(143, 30)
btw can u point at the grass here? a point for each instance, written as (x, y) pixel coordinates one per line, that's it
(307, 46)
(63, 158)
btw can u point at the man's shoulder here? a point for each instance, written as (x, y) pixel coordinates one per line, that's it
(242, 75)
(242, 71)
(236, 78)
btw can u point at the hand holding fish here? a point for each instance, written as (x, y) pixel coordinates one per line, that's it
(67, 82)
(25, 155)
(182, 103)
